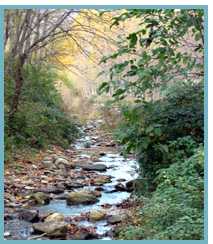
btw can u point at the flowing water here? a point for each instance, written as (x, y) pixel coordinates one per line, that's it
(118, 167)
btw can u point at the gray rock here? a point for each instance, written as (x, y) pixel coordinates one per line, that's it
(61, 161)
(28, 215)
(95, 167)
(51, 228)
(73, 185)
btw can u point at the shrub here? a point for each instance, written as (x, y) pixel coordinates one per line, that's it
(149, 129)
(175, 210)
(40, 119)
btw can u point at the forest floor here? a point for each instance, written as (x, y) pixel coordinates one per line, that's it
(83, 192)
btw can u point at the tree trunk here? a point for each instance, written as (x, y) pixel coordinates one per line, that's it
(18, 76)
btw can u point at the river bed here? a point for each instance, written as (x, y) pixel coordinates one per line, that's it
(119, 169)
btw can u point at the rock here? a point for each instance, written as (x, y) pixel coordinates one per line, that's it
(48, 162)
(134, 184)
(40, 198)
(97, 215)
(95, 167)
(81, 197)
(61, 161)
(55, 217)
(51, 228)
(29, 215)
(115, 219)
(101, 180)
(102, 153)
(120, 187)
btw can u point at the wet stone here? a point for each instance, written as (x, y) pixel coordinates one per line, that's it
(120, 187)
(81, 197)
(94, 167)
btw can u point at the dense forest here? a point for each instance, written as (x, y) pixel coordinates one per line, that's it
(84, 88)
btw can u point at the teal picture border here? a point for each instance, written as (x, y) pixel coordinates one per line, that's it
(205, 8)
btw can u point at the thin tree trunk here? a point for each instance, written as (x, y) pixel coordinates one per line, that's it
(18, 76)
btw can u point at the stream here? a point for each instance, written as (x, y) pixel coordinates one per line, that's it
(120, 169)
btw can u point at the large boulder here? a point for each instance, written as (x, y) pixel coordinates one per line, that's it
(94, 167)
(81, 197)
(51, 228)
(97, 215)
(55, 217)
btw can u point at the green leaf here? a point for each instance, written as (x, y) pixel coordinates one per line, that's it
(119, 92)
(163, 148)
(132, 40)
(104, 87)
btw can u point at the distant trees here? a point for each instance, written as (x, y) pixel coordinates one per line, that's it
(35, 36)
(27, 33)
